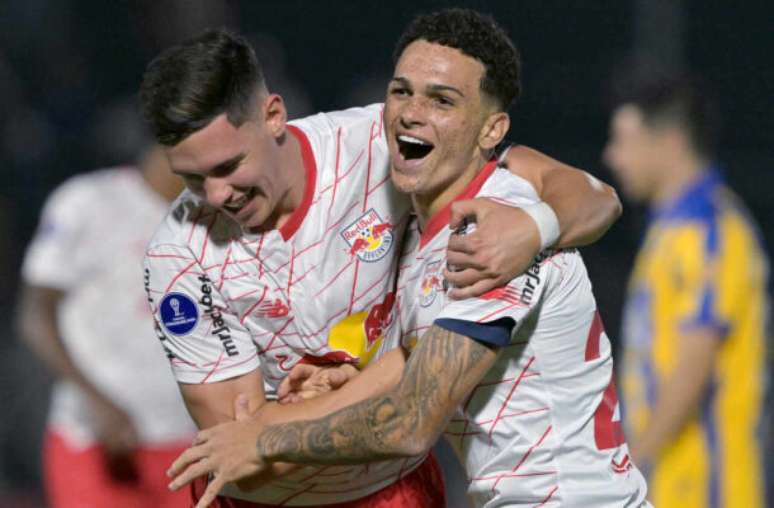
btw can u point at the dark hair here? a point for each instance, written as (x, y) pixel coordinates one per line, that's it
(478, 36)
(676, 100)
(189, 84)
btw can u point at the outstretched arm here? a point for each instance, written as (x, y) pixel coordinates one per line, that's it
(404, 421)
(576, 210)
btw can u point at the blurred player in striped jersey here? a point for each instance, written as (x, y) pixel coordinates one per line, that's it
(521, 377)
(694, 320)
(284, 250)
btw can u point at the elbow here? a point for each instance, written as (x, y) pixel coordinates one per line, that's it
(414, 444)
(615, 205)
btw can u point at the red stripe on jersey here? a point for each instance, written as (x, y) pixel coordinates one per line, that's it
(550, 494)
(214, 369)
(592, 341)
(441, 218)
(336, 171)
(310, 167)
(510, 394)
(180, 274)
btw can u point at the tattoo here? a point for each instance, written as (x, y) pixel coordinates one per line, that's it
(440, 373)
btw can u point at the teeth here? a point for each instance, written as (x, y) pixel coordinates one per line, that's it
(409, 139)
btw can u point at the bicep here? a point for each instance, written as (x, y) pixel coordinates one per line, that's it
(213, 403)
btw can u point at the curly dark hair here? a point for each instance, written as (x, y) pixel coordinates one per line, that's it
(478, 36)
(189, 84)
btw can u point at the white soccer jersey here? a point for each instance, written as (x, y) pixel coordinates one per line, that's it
(542, 426)
(322, 286)
(90, 244)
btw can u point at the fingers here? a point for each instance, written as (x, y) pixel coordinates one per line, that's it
(213, 489)
(474, 290)
(464, 244)
(337, 378)
(189, 456)
(193, 472)
(466, 208)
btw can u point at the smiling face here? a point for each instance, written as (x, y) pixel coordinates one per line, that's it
(234, 169)
(440, 128)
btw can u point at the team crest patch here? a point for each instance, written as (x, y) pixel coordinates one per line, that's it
(432, 282)
(179, 314)
(369, 237)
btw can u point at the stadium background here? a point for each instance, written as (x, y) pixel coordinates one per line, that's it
(69, 71)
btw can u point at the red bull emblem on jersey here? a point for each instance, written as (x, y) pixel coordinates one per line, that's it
(432, 282)
(358, 337)
(369, 237)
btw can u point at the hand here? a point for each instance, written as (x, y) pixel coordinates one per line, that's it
(118, 438)
(227, 451)
(504, 244)
(306, 381)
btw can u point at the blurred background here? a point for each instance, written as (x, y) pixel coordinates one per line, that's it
(70, 69)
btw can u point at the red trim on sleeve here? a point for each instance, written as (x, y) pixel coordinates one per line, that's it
(442, 217)
(310, 166)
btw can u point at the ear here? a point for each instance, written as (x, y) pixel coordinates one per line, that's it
(274, 114)
(494, 130)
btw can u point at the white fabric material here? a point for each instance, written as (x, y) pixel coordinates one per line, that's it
(90, 244)
(527, 434)
(246, 302)
(547, 223)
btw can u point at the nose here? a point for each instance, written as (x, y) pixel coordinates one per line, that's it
(413, 112)
(217, 192)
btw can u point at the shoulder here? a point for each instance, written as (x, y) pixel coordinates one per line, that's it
(510, 189)
(79, 194)
(352, 120)
(523, 158)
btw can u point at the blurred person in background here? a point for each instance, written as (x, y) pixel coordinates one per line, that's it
(116, 417)
(694, 318)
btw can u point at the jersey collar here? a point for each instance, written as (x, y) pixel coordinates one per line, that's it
(310, 169)
(442, 216)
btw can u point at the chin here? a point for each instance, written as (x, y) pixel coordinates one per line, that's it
(404, 184)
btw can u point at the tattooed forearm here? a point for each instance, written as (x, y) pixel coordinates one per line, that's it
(405, 421)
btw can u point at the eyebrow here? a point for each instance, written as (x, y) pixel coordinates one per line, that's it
(223, 166)
(436, 88)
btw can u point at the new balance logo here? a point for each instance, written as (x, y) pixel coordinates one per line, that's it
(275, 309)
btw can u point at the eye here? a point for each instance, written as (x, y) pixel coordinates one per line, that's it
(444, 101)
(399, 91)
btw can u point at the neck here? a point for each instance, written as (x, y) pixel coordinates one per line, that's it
(291, 165)
(427, 205)
(676, 177)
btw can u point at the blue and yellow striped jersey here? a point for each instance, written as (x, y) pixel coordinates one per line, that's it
(701, 265)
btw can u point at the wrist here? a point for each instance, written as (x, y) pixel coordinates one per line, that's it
(547, 223)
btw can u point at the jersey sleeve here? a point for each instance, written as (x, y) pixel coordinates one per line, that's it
(701, 277)
(54, 254)
(495, 317)
(202, 336)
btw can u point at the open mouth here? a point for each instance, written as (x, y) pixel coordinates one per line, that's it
(235, 206)
(413, 148)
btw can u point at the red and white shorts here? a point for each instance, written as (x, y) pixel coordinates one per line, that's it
(422, 488)
(83, 478)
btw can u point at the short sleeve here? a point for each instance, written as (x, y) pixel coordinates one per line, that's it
(696, 278)
(52, 257)
(202, 336)
(496, 316)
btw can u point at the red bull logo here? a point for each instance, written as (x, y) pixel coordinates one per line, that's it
(357, 337)
(369, 237)
(432, 282)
